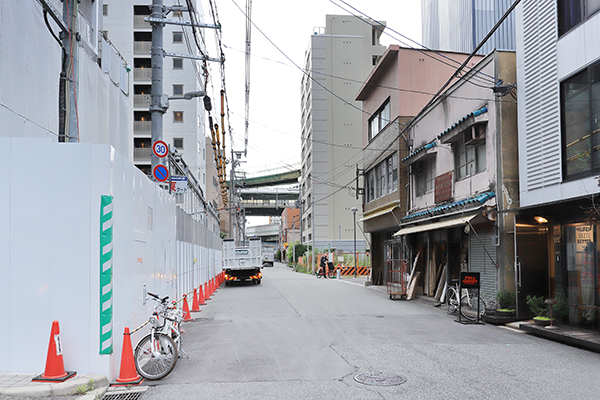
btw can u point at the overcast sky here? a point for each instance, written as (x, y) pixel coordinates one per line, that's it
(274, 123)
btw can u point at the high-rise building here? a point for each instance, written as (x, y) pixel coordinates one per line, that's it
(339, 58)
(460, 25)
(184, 121)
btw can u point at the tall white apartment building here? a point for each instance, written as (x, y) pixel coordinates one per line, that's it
(460, 25)
(184, 121)
(338, 60)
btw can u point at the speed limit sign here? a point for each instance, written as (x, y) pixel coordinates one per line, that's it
(160, 149)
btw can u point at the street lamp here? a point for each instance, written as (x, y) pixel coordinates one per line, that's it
(354, 210)
(294, 241)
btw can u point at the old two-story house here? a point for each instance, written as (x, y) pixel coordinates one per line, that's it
(399, 86)
(558, 75)
(463, 177)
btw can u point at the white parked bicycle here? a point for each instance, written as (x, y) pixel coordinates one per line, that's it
(472, 307)
(156, 353)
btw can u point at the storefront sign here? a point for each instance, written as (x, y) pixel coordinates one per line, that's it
(469, 280)
(443, 187)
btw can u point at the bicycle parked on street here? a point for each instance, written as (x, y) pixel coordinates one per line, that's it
(156, 354)
(472, 307)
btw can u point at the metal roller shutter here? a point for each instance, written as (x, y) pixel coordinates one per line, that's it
(482, 256)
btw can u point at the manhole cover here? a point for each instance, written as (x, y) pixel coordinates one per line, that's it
(380, 379)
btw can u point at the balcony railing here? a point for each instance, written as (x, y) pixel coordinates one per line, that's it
(142, 48)
(142, 74)
(142, 154)
(142, 127)
(141, 101)
(139, 23)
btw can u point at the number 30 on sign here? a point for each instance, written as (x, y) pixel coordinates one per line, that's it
(160, 149)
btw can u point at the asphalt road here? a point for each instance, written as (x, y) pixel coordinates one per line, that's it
(299, 337)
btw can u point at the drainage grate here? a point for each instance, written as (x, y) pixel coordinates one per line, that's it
(379, 379)
(124, 394)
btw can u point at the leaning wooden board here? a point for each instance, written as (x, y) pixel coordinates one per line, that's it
(412, 286)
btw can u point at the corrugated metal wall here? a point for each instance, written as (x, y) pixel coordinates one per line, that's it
(482, 255)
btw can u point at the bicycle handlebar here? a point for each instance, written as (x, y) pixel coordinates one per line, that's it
(163, 300)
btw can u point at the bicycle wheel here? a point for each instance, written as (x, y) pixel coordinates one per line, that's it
(330, 274)
(471, 306)
(451, 300)
(319, 275)
(155, 362)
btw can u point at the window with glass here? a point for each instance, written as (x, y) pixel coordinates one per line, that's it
(379, 120)
(177, 90)
(178, 143)
(470, 153)
(177, 116)
(178, 63)
(382, 179)
(177, 37)
(425, 177)
(580, 107)
(573, 12)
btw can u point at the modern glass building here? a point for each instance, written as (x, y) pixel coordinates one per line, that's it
(460, 25)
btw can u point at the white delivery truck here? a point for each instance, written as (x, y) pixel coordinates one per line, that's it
(242, 263)
(268, 256)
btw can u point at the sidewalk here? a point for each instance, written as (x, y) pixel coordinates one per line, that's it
(21, 386)
(574, 336)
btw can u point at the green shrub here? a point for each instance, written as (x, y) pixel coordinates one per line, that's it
(506, 300)
(538, 306)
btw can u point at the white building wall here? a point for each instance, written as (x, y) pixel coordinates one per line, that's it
(345, 49)
(50, 252)
(543, 61)
(119, 24)
(50, 207)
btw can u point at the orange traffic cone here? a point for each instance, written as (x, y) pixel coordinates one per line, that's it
(201, 297)
(55, 366)
(186, 310)
(206, 294)
(195, 304)
(128, 374)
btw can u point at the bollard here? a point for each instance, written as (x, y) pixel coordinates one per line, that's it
(338, 274)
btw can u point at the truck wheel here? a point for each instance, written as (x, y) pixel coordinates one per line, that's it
(258, 281)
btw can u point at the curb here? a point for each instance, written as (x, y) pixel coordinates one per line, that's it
(69, 387)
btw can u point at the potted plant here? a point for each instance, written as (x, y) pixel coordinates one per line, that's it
(548, 311)
(560, 308)
(506, 303)
(539, 307)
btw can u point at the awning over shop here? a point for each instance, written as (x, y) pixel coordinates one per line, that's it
(378, 212)
(435, 225)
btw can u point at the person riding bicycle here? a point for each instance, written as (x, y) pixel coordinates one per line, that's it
(323, 265)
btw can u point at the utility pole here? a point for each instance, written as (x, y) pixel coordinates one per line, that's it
(157, 103)
(70, 45)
